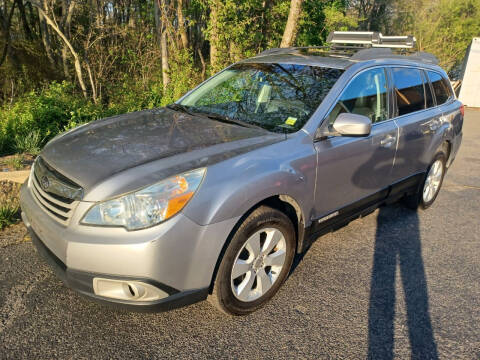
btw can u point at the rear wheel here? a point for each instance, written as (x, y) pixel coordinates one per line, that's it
(427, 193)
(256, 262)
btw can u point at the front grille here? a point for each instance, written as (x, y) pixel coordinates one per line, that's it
(58, 196)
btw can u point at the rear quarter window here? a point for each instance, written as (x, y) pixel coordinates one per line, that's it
(409, 90)
(440, 87)
(428, 93)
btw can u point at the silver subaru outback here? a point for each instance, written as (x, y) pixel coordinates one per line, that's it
(213, 196)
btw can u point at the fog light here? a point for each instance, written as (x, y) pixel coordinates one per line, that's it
(127, 290)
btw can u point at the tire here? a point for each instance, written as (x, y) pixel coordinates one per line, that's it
(249, 275)
(435, 173)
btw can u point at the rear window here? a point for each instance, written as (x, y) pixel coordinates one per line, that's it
(409, 90)
(440, 87)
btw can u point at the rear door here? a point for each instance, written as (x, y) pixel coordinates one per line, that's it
(353, 171)
(417, 119)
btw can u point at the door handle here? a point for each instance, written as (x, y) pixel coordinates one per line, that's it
(387, 141)
(432, 125)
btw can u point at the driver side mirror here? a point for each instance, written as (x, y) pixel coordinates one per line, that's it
(348, 124)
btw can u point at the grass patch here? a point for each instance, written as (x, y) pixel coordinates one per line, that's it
(15, 162)
(30, 143)
(9, 203)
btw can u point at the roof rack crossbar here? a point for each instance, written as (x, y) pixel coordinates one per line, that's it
(371, 39)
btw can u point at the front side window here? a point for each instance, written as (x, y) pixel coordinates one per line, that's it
(365, 95)
(409, 90)
(276, 97)
(440, 88)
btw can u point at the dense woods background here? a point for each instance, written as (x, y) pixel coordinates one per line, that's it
(66, 62)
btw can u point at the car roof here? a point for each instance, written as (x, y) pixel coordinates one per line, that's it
(343, 61)
(324, 61)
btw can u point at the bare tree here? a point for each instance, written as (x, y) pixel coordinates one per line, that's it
(67, 12)
(53, 24)
(44, 32)
(161, 18)
(291, 28)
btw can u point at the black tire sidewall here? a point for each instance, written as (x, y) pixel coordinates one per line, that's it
(263, 217)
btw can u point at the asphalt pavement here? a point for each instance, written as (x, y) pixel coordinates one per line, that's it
(395, 283)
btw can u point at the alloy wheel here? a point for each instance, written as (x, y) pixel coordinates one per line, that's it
(433, 180)
(258, 264)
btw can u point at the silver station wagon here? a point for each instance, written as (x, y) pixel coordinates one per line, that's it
(214, 196)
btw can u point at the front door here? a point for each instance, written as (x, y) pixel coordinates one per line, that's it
(355, 171)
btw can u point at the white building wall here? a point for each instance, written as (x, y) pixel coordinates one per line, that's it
(470, 90)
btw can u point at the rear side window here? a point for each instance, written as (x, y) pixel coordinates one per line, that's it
(440, 87)
(409, 90)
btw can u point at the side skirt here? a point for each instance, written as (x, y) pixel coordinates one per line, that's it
(363, 207)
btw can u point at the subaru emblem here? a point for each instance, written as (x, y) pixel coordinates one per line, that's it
(44, 182)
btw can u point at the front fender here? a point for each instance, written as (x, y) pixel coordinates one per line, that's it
(233, 187)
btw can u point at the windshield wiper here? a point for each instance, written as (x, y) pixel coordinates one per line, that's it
(229, 120)
(179, 107)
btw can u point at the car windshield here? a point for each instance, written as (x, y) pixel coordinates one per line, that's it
(275, 97)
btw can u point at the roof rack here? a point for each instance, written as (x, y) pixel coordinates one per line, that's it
(371, 39)
(361, 46)
(344, 51)
(376, 53)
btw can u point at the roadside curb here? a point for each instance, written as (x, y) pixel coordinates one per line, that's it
(15, 176)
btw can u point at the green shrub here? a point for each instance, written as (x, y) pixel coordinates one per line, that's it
(9, 204)
(183, 77)
(29, 143)
(38, 116)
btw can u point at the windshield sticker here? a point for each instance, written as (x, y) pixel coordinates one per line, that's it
(291, 120)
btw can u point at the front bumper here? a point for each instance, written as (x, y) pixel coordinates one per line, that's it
(82, 282)
(177, 256)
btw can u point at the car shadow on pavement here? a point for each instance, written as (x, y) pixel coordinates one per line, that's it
(398, 244)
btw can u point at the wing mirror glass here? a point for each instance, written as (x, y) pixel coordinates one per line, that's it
(348, 124)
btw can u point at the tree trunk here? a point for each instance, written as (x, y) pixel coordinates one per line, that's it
(158, 23)
(92, 83)
(165, 67)
(44, 32)
(202, 60)
(67, 12)
(266, 9)
(213, 36)
(78, 67)
(291, 28)
(6, 25)
(26, 27)
(164, 44)
(181, 24)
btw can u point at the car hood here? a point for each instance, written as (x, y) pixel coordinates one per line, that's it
(99, 150)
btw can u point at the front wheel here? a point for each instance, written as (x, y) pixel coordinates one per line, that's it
(428, 192)
(256, 262)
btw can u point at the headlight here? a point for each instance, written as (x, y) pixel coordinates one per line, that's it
(149, 206)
